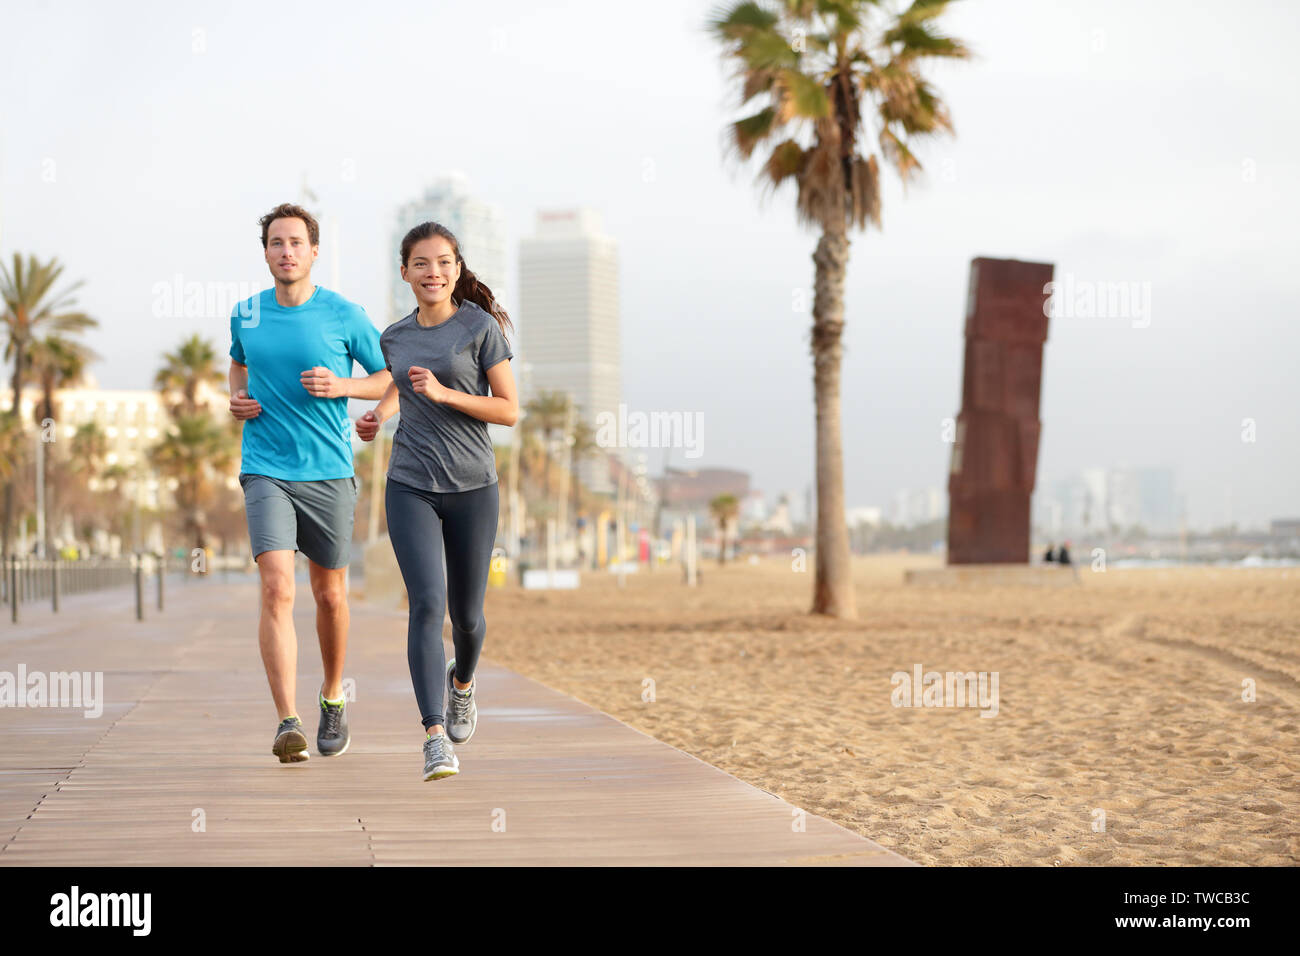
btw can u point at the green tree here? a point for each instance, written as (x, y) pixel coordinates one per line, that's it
(822, 72)
(584, 443)
(724, 509)
(197, 451)
(184, 372)
(545, 417)
(31, 307)
(57, 362)
(81, 462)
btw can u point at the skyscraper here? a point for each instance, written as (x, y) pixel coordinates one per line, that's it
(568, 300)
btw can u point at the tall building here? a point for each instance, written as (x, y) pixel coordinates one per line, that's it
(568, 298)
(1098, 500)
(1160, 506)
(913, 506)
(479, 228)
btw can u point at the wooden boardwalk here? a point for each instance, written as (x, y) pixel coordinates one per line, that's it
(178, 771)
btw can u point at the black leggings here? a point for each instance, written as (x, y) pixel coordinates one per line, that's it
(418, 524)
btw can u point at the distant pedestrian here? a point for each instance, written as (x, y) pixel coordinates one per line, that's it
(1050, 556)
(1063, 555)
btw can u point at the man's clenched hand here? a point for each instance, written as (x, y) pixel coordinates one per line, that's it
(323, 383)
(243, 407)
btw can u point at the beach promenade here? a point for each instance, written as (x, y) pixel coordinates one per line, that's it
(177, 768)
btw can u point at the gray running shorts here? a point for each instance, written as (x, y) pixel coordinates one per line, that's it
(314, 517)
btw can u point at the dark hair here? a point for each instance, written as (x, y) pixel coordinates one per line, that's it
(468, 286)
(288, 210)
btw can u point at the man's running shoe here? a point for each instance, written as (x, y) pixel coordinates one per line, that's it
(462, 712)
(290, 742)
(439, 757)
(332, 736)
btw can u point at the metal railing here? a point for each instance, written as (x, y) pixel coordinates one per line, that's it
(27, 580)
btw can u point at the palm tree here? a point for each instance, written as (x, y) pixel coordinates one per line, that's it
(546, 415)
(549, 412)
(11, 446)
(724, 509)
(84, 458)
(89, 449)
(584, 443)
(194, 451)
(822, 70)
(31, 307)
(185, 371)
(57, 362)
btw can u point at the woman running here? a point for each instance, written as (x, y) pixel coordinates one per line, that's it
(442, 480)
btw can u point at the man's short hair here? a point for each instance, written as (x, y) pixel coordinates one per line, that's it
(288, 210)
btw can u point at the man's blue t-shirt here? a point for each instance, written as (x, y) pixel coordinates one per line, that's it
(299, 436)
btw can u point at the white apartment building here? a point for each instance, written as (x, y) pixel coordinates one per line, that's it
(132, 420)
(568, 298)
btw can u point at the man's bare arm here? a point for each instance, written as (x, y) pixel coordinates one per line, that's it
(323, 383)
(241, 406)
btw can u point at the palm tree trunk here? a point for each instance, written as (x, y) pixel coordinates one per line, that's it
(20, 353)
(16, 411)
(832, 574)
(9, 513)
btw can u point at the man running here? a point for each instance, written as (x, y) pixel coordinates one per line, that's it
(292, 349)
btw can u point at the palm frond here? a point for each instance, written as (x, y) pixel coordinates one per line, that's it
(751, 130)
(818, 73)
(786, 160)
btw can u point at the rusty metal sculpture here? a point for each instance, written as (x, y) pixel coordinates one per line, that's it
(995, 452)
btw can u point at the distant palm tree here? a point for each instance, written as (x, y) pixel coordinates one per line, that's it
(84, 461)
(30, 307)
(57, 362)
(546, 416)
(584, 443)
(185, 371)
(11, 446)
(822, 69)
(89, 449)
(196, 451)
(724, 509)
(115, 478)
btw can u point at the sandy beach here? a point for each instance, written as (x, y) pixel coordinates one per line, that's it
(1122, 696)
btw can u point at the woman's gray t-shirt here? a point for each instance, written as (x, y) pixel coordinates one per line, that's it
(438, 448)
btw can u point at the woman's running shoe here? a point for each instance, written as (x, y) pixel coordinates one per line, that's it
(439, 757)
(462, 712)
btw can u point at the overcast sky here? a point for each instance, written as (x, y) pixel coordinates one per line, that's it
(1143, 142)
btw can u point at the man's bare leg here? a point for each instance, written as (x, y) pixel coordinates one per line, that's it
(329, 588)
(275, 634)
